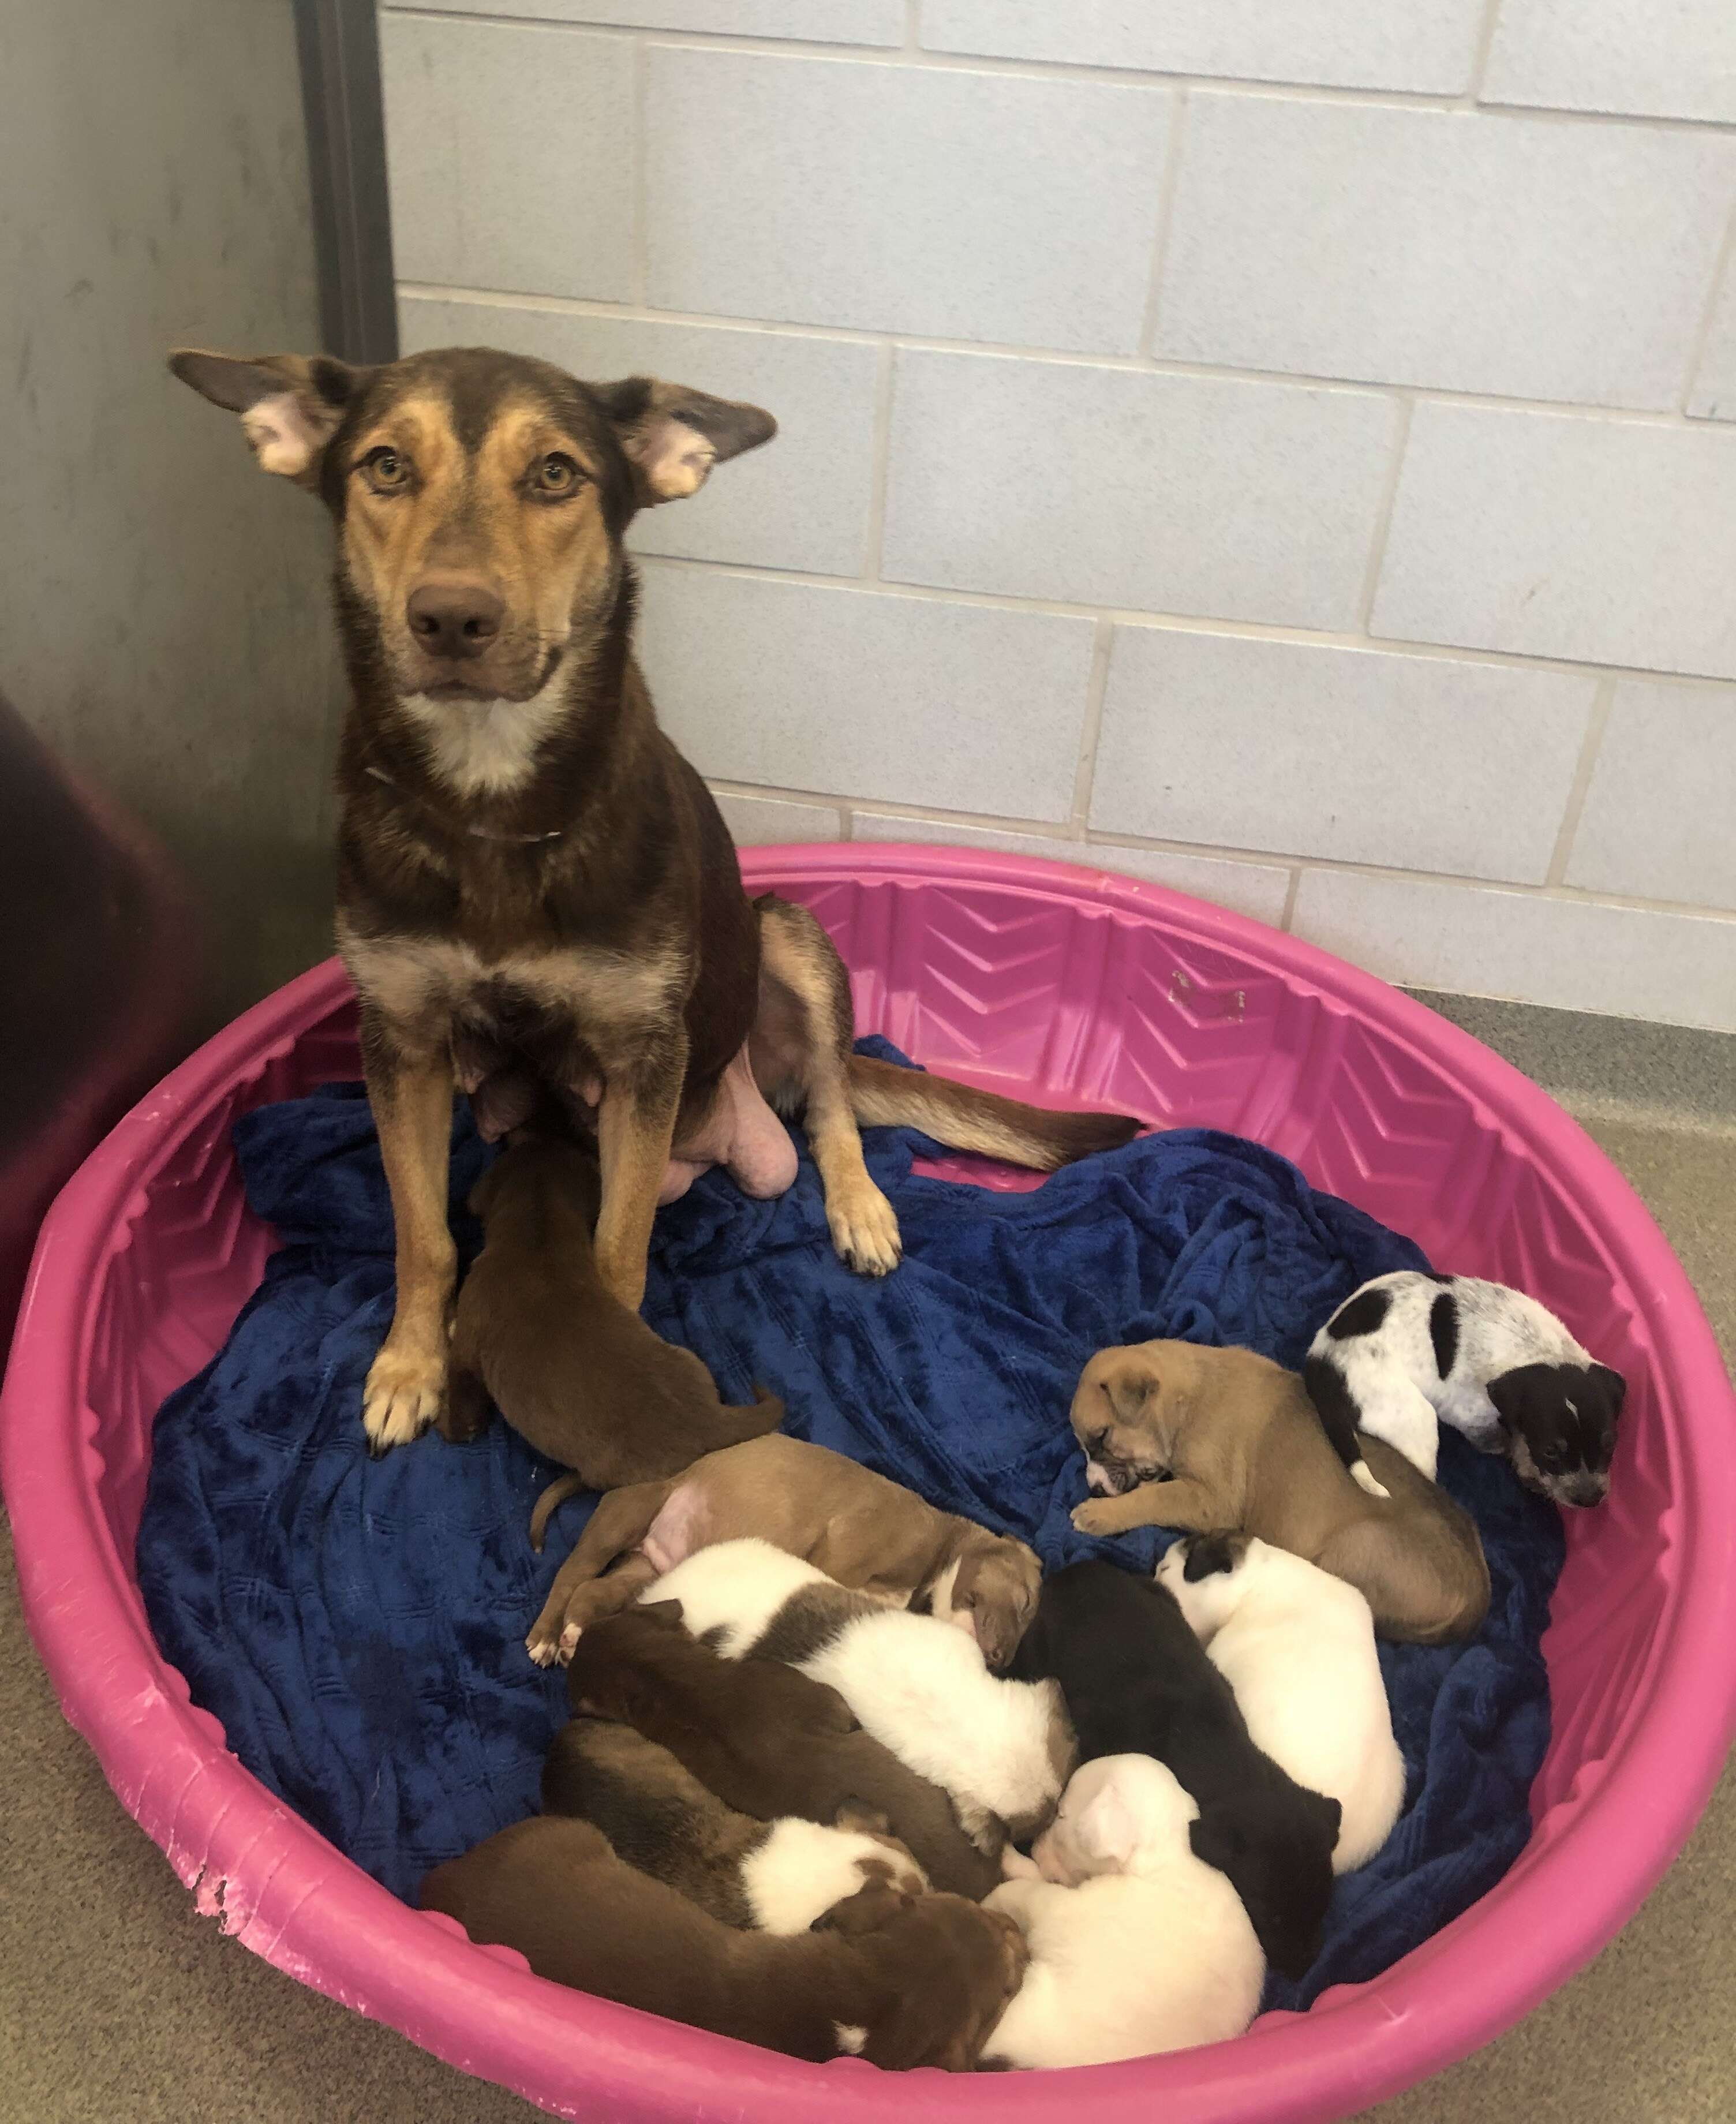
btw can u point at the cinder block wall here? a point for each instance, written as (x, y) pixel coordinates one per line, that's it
(1277, 448)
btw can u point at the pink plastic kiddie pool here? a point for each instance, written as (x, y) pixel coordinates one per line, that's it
(1066, 985)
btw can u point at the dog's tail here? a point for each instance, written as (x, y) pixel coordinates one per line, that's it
(1338, 1413)
(884, 1096)
(753, 1419)
(549, 1503)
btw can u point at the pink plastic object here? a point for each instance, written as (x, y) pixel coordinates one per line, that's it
(1075, 987)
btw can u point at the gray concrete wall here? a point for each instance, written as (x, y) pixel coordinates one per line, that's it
(162, 605)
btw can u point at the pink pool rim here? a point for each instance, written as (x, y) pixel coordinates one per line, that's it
(1078, 988)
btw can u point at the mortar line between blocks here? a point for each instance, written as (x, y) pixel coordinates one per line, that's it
(1480, 54)
(880, 461)
(903, 54)
(868, 809)
(586, 306)
(1168, 184)
(1297, 635)
(1724, 264)
(1288, 914)
(1096, 685)
(1596, 724)
(641, 189)
(1383, 515)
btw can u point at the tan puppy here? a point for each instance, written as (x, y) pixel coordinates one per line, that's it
(897, 1981)
(1241, 1446)
(866, 1532)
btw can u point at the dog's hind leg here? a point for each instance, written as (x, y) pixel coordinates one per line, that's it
(802, 1049)
(410, 1091)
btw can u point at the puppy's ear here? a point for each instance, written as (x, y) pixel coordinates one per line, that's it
(828, 1712)
(1613, 1385)
(1132, 1388)
(1507, 1394)
(1105, 1828)
(1329, 1813)
(1209, 1553)
(481, 1196)
(673, 435)
(291, 405)
(1219, 1843)
(856, 1814)
(666, 1613)
(868, 1910)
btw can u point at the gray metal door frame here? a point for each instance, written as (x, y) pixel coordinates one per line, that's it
(339, 43)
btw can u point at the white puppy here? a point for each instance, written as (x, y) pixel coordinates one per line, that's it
(1136, 1945)
(1296, 1645)
(1001, 1749)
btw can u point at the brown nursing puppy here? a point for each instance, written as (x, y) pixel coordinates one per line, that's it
(779, 1876)
(901, 1982)
(867, 1533)
(765, 1738)
(1242, 1446)
(570, 1368)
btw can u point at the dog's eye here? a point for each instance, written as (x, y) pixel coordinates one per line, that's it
(384, 470)
(556, 474)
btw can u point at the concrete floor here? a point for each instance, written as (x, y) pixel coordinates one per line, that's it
(121, 2006)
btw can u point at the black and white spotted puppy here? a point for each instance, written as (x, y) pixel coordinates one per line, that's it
(1410, 1351)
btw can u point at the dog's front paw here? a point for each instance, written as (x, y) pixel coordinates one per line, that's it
(1098, 1515)
(864, 1230)
(406, 1392)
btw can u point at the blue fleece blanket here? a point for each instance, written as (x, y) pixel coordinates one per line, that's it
(357, 1626)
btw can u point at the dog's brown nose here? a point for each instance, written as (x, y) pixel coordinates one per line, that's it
(453, 616)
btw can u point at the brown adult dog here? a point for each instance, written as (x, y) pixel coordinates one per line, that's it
(568, 1366)
(765, 1738)
(900, 1982)
(1242, 1447)
(529, 873)
(867, 1533)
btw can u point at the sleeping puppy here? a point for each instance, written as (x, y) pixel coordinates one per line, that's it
(772, 1877)
(1136, 1945)
(1003, 1750)
(585, 1380)
(901, 1982)
(855, 1525)
(1408, 1352)
(1243, 1447)
(765, 1739)
(1296, 1645)
(1138, 1682)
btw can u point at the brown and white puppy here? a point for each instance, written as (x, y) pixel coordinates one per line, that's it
(531, 878)
(901, 1981)
(570, 1368)
(855, 1525)
(780, 1875)
(1205, 1439)
(765, 1738)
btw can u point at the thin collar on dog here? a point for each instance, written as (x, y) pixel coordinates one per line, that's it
(477, 833)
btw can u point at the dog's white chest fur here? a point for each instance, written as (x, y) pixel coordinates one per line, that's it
(487, 748)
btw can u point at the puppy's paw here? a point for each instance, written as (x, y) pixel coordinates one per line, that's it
(1098, 1515)
(405, 1393)
(1015, 1865)
(864, 1230)
(553, 1638)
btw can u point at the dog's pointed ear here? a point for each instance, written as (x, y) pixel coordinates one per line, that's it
(673, 436)
(291, 405)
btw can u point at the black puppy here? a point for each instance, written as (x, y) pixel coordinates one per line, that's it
(1137, 1681)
